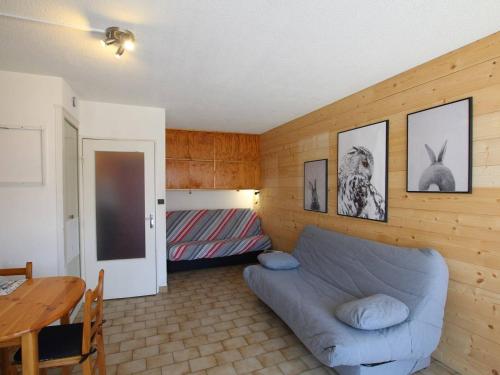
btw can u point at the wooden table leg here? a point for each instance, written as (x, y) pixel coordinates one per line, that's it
(29, 347)
(65, 319)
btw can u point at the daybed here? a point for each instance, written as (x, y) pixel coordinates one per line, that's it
(206, 238)
(336, 268)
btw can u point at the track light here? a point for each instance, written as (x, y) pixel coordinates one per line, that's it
(119, 52)
(123, 39)
(107, 42)
(129, 42)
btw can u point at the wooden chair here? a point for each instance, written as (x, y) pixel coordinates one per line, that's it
(68, 345)
(26, 271)
(7, 348)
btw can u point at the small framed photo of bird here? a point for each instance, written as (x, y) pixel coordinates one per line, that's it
(316, 185)
(362, 172)
(440, 149)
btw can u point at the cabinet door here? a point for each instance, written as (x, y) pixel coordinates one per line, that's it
(237, 175)
(177, 144)
(227, 175)
(237, 147)
(177, 174)
(201, 174)
(227, 147)
(249, 147)
(201, 146)
(249, 175)
(190, 174)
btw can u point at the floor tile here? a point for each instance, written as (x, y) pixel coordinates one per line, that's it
(207, 322)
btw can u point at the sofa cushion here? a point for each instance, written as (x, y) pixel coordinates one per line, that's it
(215, 249)
(278, 260)
(375, 312)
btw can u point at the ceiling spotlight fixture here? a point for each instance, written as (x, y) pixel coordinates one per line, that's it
(122, 39)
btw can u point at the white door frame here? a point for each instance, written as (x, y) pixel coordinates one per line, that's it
(61, 116)
(81, 203)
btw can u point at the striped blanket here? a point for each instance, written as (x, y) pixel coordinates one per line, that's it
(197, 234)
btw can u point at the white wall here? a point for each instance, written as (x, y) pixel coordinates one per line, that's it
(28, 215)
(67, 100)
(116, 121)
(208, 199)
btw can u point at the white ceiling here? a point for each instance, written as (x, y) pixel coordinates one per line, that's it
(236, 65)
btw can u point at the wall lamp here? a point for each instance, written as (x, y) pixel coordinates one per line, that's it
(122, 39)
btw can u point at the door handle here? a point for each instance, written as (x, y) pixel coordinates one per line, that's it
(151, 219)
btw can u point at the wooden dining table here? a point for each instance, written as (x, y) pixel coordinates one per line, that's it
(32, 306)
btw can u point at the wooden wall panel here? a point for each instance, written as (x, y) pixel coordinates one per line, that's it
(465, 228)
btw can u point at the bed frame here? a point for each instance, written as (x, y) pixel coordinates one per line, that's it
(196, 264)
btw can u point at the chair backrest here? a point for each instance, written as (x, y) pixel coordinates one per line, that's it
(211, 225)
(26, 271)
(93, 317)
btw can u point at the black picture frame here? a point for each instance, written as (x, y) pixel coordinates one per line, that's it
(324, 163)
(385, 190)
(468, 142)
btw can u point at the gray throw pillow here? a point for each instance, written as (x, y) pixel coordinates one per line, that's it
(278, 260)
(374, 312)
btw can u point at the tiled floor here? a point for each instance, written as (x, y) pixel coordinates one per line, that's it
(208, 322)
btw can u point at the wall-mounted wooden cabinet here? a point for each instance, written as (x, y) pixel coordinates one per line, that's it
(209, 160)
(237, 175)
(190, 145)
(189, 174)
(236, 147)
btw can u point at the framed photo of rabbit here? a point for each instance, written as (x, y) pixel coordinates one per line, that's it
(316, 185)
(440, 149)
(362, 172)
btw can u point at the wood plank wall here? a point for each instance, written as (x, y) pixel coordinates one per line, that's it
(465, 228)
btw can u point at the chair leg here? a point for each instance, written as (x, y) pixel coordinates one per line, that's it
(42, 371)
(86, 367)
(5, 360)
(101, 355)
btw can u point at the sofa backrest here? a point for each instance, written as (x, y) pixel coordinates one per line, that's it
(206, 225)
(418, 277)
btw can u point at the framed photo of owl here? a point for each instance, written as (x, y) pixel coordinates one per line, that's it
(440, 149)
(362, 172)
(316, 185)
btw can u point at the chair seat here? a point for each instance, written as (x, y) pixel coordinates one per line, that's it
(56, 342)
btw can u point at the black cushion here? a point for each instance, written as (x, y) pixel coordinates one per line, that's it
(57, 342)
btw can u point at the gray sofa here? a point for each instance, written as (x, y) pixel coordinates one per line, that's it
(337, 268)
